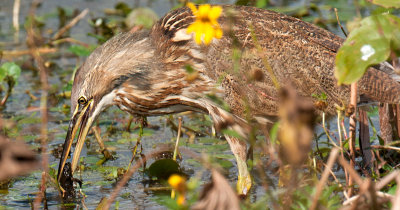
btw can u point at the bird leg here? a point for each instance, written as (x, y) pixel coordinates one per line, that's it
(238, 148)
(225, 120)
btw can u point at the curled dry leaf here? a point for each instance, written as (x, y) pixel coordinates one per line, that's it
(296, 128)
(15, 159)
(217, 195)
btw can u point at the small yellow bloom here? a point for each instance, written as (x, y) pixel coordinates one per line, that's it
(178, 183)
(206, 25)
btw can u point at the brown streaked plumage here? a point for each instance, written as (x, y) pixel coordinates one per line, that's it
(144, 73)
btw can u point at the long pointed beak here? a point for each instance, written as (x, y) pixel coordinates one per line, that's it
(82, 119)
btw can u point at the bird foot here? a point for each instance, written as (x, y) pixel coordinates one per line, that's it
(243, 184)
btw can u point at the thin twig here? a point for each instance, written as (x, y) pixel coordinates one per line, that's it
(128, 174)
(43, 103)
(396, 201)
(344, 129)
(352, 132)
(341, 141)
(352, 173)
(264, 59)
(177, 138)
(324, 177)
(6, 96)
(16, 53)
(338, 21)
(387, 179)
(378, 194)
(70, 24)
(176, 149)
(70, 40)
(326, 130)
(16, 7)
(386, 147)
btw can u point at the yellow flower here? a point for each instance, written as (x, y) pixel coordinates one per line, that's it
(206, 25)
(178, 183)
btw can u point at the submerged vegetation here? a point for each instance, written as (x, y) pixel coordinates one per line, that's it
(179, 161)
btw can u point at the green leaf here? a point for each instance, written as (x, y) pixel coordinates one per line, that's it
(261, 3)
(387, 3)
(80, 50)
(163, 168)
(232, 133)
(10, 69)
(273, 133)
(392, 190)
(367, 45)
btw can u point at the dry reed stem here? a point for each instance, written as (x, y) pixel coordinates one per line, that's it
(177, 138)
(70, 24)
(70, 40)
(350, 169)
(387, 179)
(372, 193)
(396, 202)
(6, 96)
(386, 147)
(139, 163)
(341, 141)
(327, 131)
(338, 21)
(16, 53)
(17, 4)
(128, 175)
(324, 177)
(264, 59)
(379, 194)
(43, 104)
(352, 132)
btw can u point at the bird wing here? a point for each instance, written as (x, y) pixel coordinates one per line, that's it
(296, 52)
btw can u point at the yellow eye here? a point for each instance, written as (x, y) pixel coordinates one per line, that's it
(82, 100)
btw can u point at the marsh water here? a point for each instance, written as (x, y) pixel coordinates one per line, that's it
(99, 180)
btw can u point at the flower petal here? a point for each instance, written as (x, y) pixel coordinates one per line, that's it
(208, 34)
(191, 28)
(215, 12)
(197, 38)
(204, 10)
(218, 33)
(192, 7)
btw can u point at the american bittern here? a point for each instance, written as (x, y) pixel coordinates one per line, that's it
(144, 74)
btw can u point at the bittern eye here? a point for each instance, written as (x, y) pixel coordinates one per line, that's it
(82, 100)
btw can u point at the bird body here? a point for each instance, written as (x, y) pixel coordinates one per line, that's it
(146, 73)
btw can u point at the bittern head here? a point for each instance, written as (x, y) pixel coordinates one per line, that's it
(124, 58)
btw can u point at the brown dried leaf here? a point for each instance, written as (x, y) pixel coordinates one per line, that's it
(217, 195)
(296, 131)
(16, 159)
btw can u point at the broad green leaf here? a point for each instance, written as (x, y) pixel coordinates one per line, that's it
(367, 45)
(387, 3)
(10, 69)
(80, 50)
(262, 3)
(392, 190)
(163, 168)
(232, 133)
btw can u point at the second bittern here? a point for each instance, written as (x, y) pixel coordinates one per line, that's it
(145, 73)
